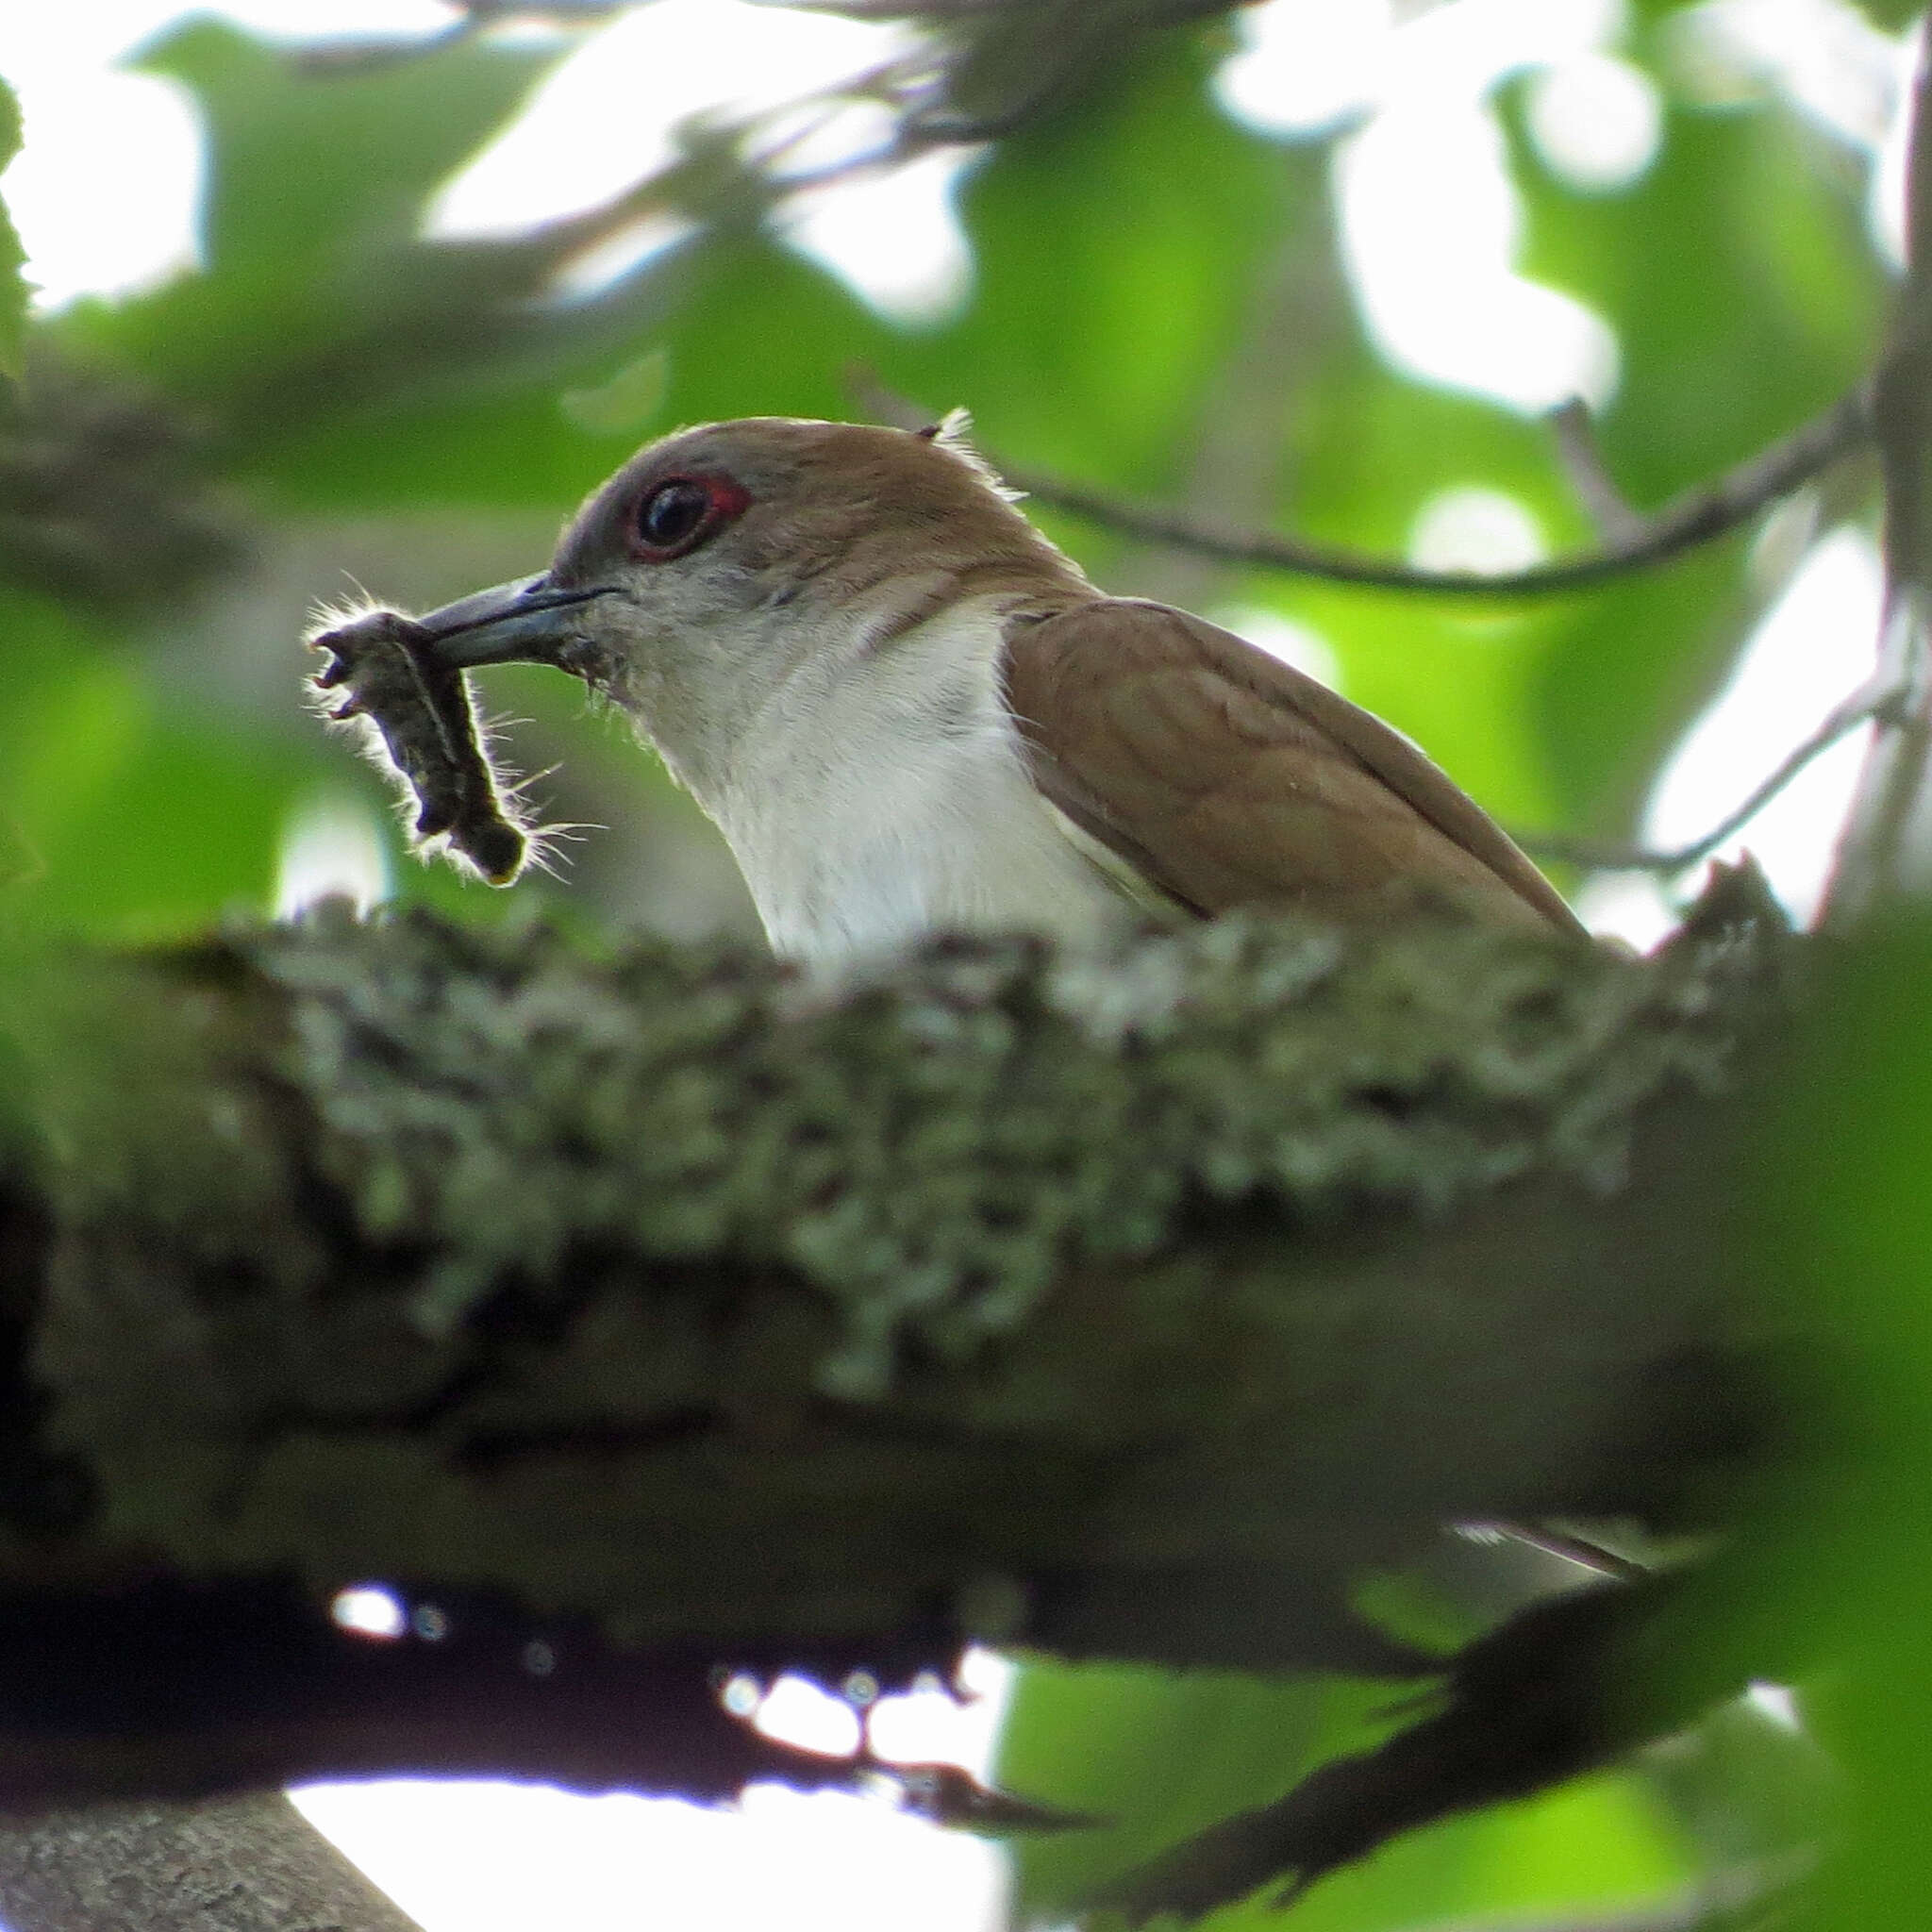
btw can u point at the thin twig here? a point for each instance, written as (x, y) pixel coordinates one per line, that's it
(1560, 1543)
(1693, 519)
(1573, 431)
(1872, 700)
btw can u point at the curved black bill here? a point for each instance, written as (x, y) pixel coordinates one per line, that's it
(522, 622)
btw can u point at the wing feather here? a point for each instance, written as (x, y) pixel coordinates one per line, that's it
(1229, 778)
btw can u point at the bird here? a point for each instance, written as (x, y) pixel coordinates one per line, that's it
(909, 712)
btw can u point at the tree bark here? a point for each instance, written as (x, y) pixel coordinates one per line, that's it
(250, 1864)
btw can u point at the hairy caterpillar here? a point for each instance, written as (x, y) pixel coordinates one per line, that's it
(423, 726)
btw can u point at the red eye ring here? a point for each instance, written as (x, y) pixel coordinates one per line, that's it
(675, 514)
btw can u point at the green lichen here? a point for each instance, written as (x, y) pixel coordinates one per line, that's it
(934, 1148)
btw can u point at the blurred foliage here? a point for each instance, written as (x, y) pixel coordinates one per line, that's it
(1224, 1743)
(103, 500)
(1159, 307)
(1843, 1570)
(1746, 290)
(13, 291)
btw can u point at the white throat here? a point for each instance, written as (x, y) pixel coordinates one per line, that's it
(883, 795)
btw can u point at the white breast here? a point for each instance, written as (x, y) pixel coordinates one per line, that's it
(884, 796)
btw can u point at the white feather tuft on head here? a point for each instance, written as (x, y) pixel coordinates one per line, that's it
(952, 433)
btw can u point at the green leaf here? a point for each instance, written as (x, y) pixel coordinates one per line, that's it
(1837, 1571)
(1093, 341)
(627, 404)
(760, 331)
(128, 817)
(738, 325)
(1739, 276)
(304, 164)
(1159, 1754)
(317, 299)
(349, 364)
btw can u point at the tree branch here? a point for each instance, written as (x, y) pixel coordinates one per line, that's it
(1692, 520)
(1529, 1705)
(644, 1318)
(252, 1864)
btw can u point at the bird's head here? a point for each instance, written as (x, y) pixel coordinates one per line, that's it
(726, 564)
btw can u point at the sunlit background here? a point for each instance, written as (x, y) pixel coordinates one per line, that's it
(1431, 225)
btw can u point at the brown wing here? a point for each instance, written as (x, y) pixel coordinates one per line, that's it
(1229, 778)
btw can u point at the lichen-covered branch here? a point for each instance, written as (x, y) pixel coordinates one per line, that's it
(644, 1316)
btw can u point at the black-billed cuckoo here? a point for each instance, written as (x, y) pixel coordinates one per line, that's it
(907, 711)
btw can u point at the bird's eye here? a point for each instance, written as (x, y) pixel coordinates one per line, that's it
(678, 514)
